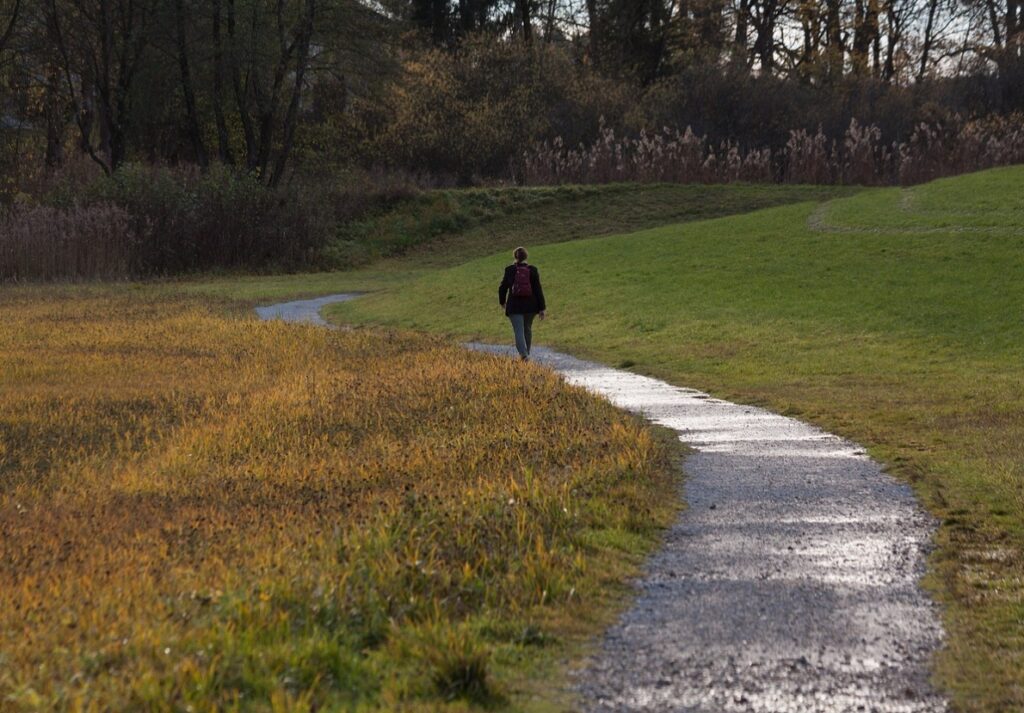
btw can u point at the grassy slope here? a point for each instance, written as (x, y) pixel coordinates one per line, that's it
(200, 512)
(895, 321)
(449, 227)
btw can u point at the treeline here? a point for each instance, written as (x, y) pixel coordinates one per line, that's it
(459, 89)
(178, 80)
(245, 133)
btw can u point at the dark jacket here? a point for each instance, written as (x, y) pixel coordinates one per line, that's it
(521, 305)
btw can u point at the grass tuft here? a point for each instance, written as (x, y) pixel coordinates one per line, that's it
(458, 665)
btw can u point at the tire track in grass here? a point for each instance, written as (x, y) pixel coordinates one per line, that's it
(791, 582)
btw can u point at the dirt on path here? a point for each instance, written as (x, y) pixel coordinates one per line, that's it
(791, 581)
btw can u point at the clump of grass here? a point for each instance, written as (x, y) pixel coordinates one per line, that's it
(456, 662)
(205, 512)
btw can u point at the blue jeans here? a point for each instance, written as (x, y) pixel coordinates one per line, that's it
(522, 326)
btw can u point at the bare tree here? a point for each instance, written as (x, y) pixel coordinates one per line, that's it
(12, 15)
(300, 47)
(835, 52)
(100, 44)
(865, 35)
(195, 130)
(241, 86)
(764, 18)
(899, 16)
(224, 151)
(928, 39)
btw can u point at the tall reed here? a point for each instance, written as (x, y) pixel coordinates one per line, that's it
(861, 156)
(79, 242)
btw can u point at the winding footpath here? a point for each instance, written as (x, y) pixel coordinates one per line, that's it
(791, 581)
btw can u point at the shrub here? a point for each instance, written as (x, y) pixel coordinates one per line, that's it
(220, 219)
(153, 220)
(354, 194)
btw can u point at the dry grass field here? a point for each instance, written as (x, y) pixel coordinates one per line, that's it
(204, 512)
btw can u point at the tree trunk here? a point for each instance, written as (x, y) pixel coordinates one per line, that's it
(191, 112)
(549, 22)
(810, 26)
(439, 21)
(54, 116)
(103, 85)
(224, 151)
(267, 104)
(764, 41)
(467, 19)
(291, 118)
(593, 32)
(740, 38)
(267, 109)
(241, 91)
(12, 22)
(859, 47)
(834, 39)
(874, 13)
(83, 99)
(526, 18)
(928, 39)
(1013, 26)
(893, 37)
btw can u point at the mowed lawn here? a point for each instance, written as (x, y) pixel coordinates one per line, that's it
(201, 512)
(893, 317)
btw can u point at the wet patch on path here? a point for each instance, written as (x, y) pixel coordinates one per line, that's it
(791, 582)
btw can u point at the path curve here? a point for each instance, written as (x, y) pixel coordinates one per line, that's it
(791, 582)
(306, 311)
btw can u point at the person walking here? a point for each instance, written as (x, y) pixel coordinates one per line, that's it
(522, 297)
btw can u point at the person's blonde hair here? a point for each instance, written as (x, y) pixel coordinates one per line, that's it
(519, 254)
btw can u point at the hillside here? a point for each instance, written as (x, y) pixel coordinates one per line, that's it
(891, 317)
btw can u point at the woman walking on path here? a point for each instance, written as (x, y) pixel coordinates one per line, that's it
(522, 297)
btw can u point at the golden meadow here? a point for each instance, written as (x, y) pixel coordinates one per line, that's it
(200, 511)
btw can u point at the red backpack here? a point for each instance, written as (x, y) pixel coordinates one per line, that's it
(521, 284)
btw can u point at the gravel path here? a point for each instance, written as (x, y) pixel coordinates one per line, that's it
(306, 311)
(789, 584)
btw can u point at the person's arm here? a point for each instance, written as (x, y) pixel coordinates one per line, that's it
(539, 291)
(503, 288)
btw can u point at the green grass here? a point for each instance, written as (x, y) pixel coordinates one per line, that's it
(892, 317)
(444, 228)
